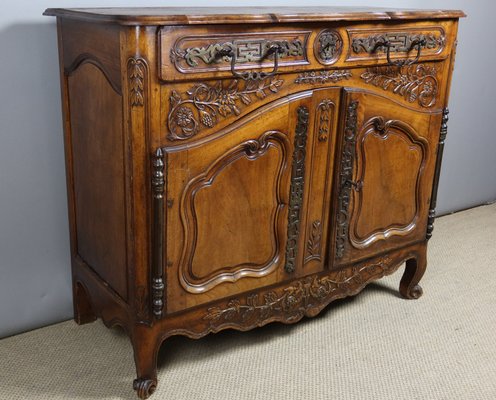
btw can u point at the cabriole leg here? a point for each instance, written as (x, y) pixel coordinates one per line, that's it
(145, 348)
(414, 270)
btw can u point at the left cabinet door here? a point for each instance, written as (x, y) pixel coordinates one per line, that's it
(234, 203)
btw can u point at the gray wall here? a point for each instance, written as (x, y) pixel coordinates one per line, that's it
(35, 287)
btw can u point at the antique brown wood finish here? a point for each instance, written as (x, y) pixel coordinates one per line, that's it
(227, 168)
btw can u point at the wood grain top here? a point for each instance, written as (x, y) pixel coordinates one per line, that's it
(235, 15)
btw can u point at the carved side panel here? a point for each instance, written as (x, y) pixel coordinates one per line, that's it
(242, 192)
(98, 161)
(297, 189)
(345, 178)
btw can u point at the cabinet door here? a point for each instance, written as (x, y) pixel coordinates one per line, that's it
(238, 213)
(386, 166)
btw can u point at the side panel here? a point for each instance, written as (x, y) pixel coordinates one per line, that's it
(95, 149)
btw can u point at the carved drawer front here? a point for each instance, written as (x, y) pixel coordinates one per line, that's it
(387, 161)
(227, 51)
(196, 52)
(397, 44)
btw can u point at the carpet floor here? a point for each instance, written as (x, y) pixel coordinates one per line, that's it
(372, 346)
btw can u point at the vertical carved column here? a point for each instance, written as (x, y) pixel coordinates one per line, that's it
(435, 184)
(296, 190)
(345, 177)
(158, 183)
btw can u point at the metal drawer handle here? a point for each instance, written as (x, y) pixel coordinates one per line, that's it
(419, 43)
(274, 48)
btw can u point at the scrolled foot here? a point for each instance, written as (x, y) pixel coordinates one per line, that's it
(414, 270)
(144, 387)
(413, 293)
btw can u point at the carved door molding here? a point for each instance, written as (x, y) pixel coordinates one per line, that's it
(385, 178)
(386, 131)
(251, 150)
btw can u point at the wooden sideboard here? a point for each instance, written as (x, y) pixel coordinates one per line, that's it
(227, 168)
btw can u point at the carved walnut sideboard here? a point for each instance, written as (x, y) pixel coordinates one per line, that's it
(227, 168)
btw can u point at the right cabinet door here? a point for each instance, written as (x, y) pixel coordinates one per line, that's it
(386, 163)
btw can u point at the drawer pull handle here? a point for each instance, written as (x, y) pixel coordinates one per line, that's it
(418, 43)
(275, 49)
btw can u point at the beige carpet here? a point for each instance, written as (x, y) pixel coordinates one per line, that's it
(374, 346)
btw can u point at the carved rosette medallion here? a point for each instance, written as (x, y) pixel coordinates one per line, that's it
(323, 76)
(415, 82)
(205, 104)
(297, 188)
(328, 46)
(302, 297)
(345, 177)
(136, 68)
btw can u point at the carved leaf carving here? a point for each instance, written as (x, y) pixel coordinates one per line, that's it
(413, 83)
(314, 243)
(205, 104)
(136, 76)
(300, 298)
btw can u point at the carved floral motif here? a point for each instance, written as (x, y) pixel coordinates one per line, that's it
(205, 104)
(414, 82)
(323, 76)
(303, 297)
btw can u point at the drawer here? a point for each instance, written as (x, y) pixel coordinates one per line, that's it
(192, 53)
(395, 44)
(196, 52)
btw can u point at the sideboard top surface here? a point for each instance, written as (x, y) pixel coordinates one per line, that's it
(234, 15)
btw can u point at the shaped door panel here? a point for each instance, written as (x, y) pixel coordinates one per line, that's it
(385, 179)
